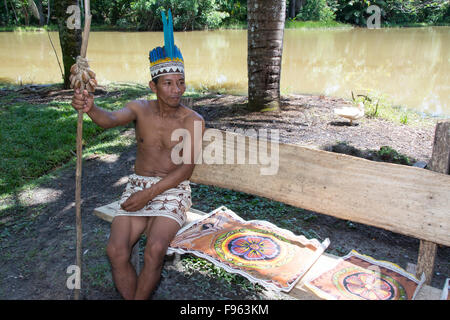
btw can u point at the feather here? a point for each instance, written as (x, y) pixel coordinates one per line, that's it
(171, 40)
(168, 34)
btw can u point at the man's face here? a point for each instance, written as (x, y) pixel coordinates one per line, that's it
(169, 89)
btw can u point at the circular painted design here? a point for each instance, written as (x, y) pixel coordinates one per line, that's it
(253, 248)
(359, 283)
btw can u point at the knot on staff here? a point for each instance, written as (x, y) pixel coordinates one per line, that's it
(81, 76)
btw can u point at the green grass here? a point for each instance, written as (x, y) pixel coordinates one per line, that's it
(380, 106)
(414, 24)
(251, 207)
(28, 28)
(296, 24)
(37, 138)
(290, 24)
(193, 264)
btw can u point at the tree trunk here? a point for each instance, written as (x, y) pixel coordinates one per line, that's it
(48, 12)
(69, 36)
(40, 11)
(265, 48)
(7, 13)
(25, 14)
(292, 9)
(36, 8)
(14, 10)
(299, 6)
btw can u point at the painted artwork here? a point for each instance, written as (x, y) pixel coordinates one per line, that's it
(360, 277)
(257, 250)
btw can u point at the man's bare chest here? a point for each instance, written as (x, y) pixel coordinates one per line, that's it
(157, 134)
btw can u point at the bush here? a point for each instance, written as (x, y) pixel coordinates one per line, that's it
(316, 10)
(237, 10)
(433, 11)
(446, 15)
(392, 11)
(354, 11)
(400, 12)
(187, 14)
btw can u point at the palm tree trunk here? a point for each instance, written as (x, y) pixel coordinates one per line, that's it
(265, 49)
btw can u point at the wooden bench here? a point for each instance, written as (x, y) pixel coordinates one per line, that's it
(402, 199)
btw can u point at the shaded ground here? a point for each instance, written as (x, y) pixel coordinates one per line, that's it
(36, 252)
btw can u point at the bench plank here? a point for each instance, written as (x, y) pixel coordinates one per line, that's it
(403, 199)
(300, 291)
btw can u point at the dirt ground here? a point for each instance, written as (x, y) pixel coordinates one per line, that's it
(36, 254)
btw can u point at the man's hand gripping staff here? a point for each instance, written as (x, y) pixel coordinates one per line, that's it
(82, 79)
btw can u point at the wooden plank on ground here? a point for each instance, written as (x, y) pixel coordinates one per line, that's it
(108, 212)
(403, 199)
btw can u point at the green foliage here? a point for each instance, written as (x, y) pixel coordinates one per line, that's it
(388, 154)
(380, 106)
(354, 11)
(237, 10)
(393, 12)
(435, 11)
(146, 14)
(316, 10)
(400, 11)
(212, 14)
(295, 24)
(193, 264)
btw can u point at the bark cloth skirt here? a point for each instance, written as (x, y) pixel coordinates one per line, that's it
(172, 203)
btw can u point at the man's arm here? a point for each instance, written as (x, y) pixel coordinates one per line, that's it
(105, 119)
(139, 199)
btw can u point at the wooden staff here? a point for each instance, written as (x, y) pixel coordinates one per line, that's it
(76, 75)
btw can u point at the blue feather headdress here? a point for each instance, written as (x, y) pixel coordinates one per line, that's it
(168, 59)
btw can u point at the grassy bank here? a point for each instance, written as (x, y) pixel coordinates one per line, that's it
(296, 24)
(290, 24)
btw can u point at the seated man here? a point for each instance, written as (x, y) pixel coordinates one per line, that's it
(158, 194)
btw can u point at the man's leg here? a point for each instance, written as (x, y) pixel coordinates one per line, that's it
(159, 235)
(125, 231)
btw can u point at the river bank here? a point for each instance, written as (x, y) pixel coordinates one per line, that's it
(290, 24)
